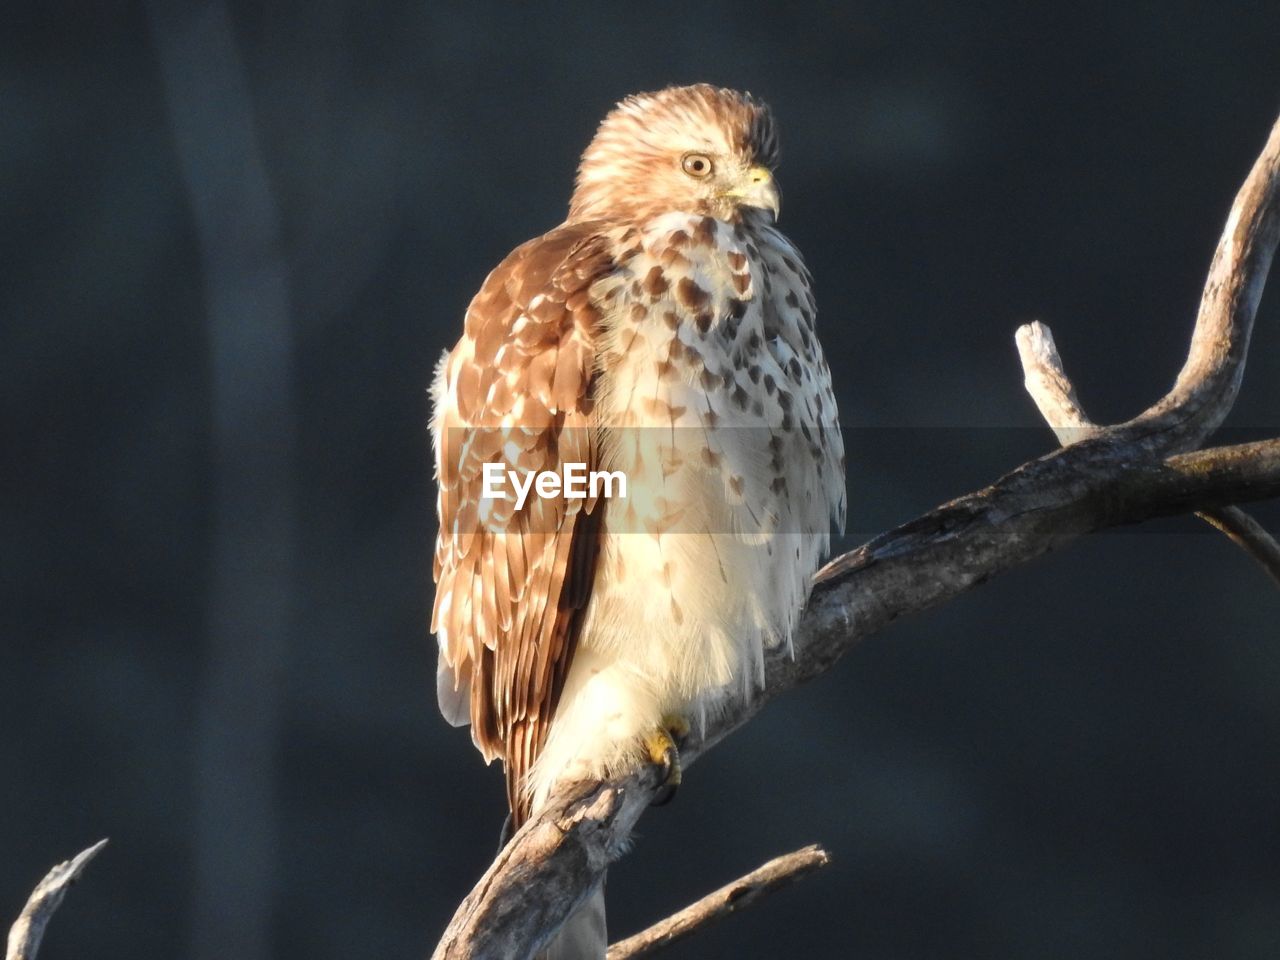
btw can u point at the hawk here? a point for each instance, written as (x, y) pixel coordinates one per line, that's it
(664, 331)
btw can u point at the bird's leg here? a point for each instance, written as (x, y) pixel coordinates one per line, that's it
(663, 745)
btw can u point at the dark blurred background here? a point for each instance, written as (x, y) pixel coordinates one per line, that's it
(237, 236)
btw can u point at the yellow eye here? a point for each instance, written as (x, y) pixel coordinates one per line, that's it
(696, 165)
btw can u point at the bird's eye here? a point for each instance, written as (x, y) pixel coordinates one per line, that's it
(696, 165)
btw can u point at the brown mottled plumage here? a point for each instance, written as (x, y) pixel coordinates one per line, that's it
(526, 359)
(665, 330)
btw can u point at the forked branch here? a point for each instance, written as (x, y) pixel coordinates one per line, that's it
(1047, 381)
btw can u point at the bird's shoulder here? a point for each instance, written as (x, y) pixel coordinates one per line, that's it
(538, 287)
(528, 334)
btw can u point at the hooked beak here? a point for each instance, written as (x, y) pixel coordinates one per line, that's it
(759, 190)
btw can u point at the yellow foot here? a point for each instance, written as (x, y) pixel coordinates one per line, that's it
(677, 727)
(663, 746)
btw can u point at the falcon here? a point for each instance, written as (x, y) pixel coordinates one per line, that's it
(664, 331)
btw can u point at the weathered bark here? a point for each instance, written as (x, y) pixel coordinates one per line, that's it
(28, 930)
(1051, 389)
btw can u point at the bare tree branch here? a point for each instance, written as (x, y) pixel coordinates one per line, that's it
(730, 898)
(1207, 385)
(1050, 387)
(28, 930)
(560, 855)
(1116, 475)
(1248, 534)
(1046, 380)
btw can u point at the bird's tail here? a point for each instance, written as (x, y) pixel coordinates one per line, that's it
(584, 935)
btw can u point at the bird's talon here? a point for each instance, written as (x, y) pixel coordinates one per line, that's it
(677, 728)
(664, 752)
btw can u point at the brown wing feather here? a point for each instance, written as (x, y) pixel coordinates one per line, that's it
(512, 586)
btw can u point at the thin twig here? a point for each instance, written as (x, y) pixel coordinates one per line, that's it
(28, 930)
(730, 898)
(1248, 534)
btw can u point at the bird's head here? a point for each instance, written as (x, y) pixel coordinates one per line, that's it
(699, 149)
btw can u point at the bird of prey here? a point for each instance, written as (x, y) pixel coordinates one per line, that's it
(664, 331)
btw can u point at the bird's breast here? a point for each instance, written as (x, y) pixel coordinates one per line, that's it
(703, 404)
